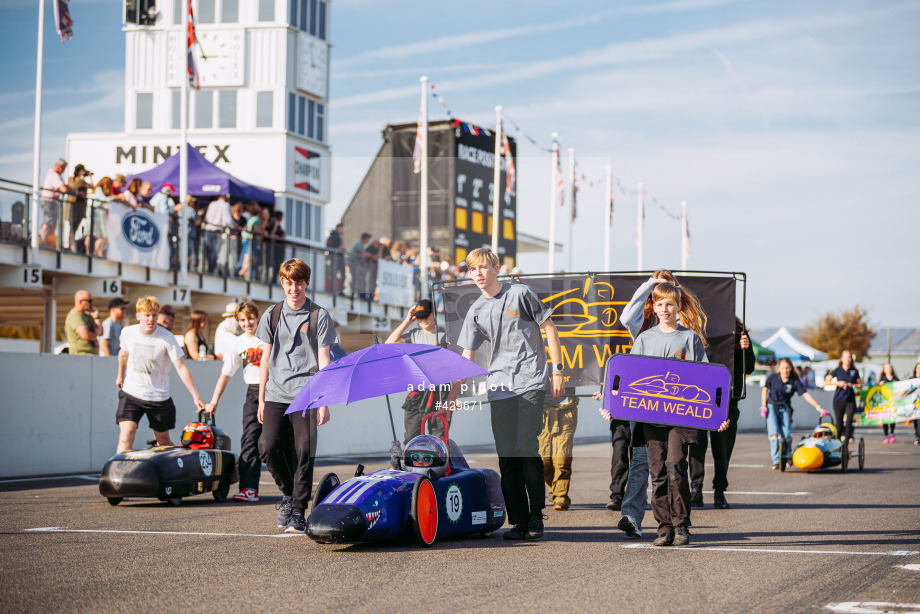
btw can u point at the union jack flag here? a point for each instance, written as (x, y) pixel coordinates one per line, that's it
(192, 69)
(62, 20)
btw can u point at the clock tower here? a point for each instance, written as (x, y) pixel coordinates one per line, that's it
(261, 112)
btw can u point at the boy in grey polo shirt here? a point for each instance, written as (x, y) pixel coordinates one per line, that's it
(287, 363)
(509, 317)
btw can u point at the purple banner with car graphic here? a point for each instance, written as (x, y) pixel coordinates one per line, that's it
(667, 391)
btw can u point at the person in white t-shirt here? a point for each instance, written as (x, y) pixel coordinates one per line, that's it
(227, 332)
(143, 377)
(245, 351)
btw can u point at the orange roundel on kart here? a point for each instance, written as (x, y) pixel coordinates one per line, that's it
(427, 512)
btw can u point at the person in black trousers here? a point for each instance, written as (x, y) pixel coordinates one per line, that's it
(722, 442)
(847, 381)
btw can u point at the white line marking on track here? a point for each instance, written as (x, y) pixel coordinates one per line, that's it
(779, 550)
(890, 454)
(874, 607)
(911, 567)
(92, 478)
(744, 492)
(60, 530)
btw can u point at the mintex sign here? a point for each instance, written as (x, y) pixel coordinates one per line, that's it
(308, 172)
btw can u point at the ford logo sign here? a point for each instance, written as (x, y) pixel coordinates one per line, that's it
(140, 230)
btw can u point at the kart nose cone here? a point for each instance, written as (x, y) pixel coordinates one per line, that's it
(336, 524)
(808, 458)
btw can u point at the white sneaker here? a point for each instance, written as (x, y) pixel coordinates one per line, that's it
(249, 495)
(629, 526)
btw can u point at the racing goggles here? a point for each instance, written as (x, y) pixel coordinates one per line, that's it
(423, 457)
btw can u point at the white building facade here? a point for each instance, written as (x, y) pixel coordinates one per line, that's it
(261, 112)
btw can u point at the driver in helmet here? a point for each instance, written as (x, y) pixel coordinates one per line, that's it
(424, 453)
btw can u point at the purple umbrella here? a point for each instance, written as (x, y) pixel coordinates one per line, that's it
(383, 369)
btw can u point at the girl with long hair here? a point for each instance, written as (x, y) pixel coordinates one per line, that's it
(778, 390)
(196, 337)
(887, 375)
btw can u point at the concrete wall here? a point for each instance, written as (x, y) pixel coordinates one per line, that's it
(59, 415)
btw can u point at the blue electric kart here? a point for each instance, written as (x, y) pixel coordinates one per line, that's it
(437, 495)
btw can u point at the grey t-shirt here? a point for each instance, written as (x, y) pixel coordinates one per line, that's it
(111, 330)
(417, 335)
(510, 322)
(292, 357)
(682, 343)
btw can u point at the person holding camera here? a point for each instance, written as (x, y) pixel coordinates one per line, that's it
(421, 402)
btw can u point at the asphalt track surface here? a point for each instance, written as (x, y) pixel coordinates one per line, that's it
(792, 542)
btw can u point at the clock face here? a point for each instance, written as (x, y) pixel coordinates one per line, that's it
(313, 60)
(221, 57)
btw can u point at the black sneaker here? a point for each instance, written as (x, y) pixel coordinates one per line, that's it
(518, 531)
(629, 526)
(664, 540)
(696, 498)
(775, 466)
(681, 536)
(297, 523)
(719, 502)
(917, 441)
(615, 503)
(284, 515)
(535, 526)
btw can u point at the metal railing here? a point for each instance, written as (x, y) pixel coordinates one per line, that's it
(229, 253)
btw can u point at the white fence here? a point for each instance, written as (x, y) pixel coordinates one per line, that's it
(59, 415)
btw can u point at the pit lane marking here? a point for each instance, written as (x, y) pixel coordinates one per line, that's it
(60, 530)
(779, 550)
(910, 567)
(746, 492)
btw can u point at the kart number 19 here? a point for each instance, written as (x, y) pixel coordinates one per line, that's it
(454, 503)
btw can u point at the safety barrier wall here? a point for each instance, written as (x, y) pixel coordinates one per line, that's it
(59, 415)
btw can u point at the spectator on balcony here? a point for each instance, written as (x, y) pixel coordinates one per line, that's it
(53, 188)
(276, 234)
(356, 262)
(129, 196)
(227, 332)
(75, 205)
(335, 240)
(251, 237)
(335, 262)
(96, 236)
(162, 201)
(192, 215)
(217, 220)
(144, 194)
(118, 184)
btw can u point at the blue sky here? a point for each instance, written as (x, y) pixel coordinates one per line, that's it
(790, 128)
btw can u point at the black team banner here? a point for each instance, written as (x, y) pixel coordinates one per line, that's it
(586, 312)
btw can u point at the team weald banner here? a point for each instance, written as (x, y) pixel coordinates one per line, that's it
(138, 236)
(891, 402)
(586, 312)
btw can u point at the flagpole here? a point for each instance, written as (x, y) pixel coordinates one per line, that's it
(572, 218)
(608, 218)
(552, 206)
(37, 141)
(183, 152)
(423, 191)
(497, 180)
(639, 223)
(684, 237)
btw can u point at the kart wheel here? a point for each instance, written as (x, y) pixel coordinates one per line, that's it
(862, 453)
(220, 493)
(782, 456)
(844, 456)
(325, 486)
(114, 500)
(424, 512)
(174, 501)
